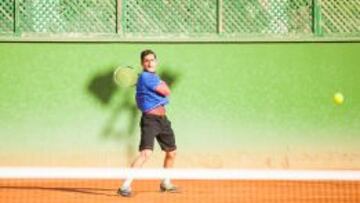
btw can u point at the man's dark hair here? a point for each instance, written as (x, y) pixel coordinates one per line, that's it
(147, 52)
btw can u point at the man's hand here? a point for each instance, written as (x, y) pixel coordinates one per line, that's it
(163, 89)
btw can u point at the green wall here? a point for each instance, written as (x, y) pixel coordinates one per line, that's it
(233, 105)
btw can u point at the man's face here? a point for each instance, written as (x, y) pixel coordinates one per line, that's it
(149, 63)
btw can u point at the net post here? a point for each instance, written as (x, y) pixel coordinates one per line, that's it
(317, 28)
(118, 16)
(219, 16)
(16, 17)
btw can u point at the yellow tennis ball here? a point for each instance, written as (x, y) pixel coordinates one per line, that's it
(339, 98)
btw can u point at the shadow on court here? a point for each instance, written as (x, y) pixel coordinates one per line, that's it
(89, 191)
(106, 192)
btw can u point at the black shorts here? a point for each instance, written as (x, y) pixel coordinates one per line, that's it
(159, 127)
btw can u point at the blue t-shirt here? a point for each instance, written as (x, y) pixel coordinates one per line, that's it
(146, 96)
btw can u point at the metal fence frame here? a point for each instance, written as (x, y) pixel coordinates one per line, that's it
(119, 32)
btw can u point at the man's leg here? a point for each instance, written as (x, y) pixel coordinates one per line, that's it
(144, 155)
(169, 159)
(168, 164)
(166, 140)
(142, 158)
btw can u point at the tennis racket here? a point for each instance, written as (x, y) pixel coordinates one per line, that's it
(125, 76)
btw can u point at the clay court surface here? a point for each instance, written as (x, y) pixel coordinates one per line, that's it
(192, 191)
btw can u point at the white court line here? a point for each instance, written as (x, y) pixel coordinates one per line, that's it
(201, 174)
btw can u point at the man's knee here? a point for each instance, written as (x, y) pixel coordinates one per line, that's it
(146, 154)
(171, 154)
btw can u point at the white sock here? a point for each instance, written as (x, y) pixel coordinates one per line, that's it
(166, 181)
(127, 183)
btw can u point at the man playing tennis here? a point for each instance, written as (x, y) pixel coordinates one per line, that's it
(151, 98)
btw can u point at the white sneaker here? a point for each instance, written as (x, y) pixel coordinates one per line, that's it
(168, 188)
(125, 192)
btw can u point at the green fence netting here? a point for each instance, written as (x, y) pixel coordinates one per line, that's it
(6, 16)
(62, 16)
(267, 16)
(168, 16)
(340, 17)
(192, 19)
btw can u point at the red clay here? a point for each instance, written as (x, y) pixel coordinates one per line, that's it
(192, 191)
